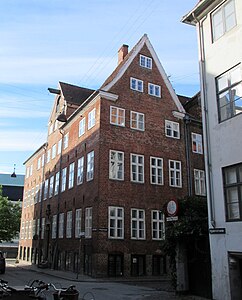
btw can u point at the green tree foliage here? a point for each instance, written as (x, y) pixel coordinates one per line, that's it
(10, 215)
(191, 227)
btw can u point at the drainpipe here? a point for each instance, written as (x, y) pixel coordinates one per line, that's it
(207, 143)
(187, 121)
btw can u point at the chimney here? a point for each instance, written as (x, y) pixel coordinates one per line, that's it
(122, 52)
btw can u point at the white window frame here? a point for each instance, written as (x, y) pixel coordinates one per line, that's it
(116, 165)
(48, 156)
(46, 189)
(90, 166)
(137, 233)
(43, 160)
(61, 225)
(53, 151)
(57, 183)
(78, 218)
(172, 129)
(157, 225)
(42, 228)
(88, 222)
(59, 147)
(115, 222)
(66, 140)
(145, 61)
(82, 126)
(51, 187)
(136, 84)
(54, 224)
(117, 116)
(154, 90)
(69, 224)
(175, 173)
(197, 143)
(137, 121)
(156, 170)
(137, 168)
(71, 175)
(91, 118)
(80, 170)
(39, 163)
(63, 179)
(219, 29)
(199, 182)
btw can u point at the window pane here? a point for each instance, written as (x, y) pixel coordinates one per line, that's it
(230, 176)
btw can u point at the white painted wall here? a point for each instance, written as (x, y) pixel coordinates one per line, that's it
(226, 148)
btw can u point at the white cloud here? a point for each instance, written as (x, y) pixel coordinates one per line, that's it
(21, 140)
(22, 113)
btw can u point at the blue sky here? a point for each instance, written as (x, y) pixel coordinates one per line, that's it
(46, 41)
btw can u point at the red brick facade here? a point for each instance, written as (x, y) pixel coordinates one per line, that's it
(124, 244)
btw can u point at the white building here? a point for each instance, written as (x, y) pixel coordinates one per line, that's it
(219, 28)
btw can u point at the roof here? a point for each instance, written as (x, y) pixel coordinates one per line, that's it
(75, 94)
(6, 179)
(123, 66)
(199, 11)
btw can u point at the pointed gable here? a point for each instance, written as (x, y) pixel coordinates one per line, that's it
(129, 58)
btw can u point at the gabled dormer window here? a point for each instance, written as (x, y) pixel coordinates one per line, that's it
(145, 62)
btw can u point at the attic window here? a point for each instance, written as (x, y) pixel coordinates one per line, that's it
(145, 62)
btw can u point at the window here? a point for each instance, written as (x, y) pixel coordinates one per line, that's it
(42, 228)
(80, 170)
(31, 170)
(154, 90)
(63, 180)
(90, 165)
(138, 224)
(36, 196)
(61, 226)
(223, 19)
(115, 222)
(116, 165)
(50, 129)
(137, 168)
(78, 223)
(88, 222)
(38, 226)
(197, 144)
(137, 121)
(59, 147)
(51, 186)
(71, 175)
(117, 116)
(46, 189)
(91, 118)
(156, 170)
(233, 192)
(175, 173)
(66, 140)
(53, 153)
(39, 163)
(172, 129)
(136, 84)
(43, 159)
(82, 126)
(33, 228)
(199, 182)
(158, 225)
(145, 62)
(40, 191)
(229, 94)
(57, 179)
(48, 155)
(53, 232)
(69, 224)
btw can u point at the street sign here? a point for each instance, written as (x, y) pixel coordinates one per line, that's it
(217, 230)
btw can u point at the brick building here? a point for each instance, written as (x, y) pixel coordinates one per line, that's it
(94, 192)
